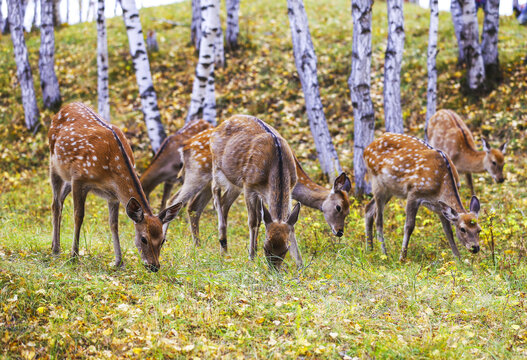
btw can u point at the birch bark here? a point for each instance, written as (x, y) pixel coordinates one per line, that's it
(152, 118)
(233, 27)
(489, 38)
(431, 64)
(25, 78)
(306, 65)
(46, 62)
(457, 20)
(393, 116)
(103, 99)
(471, 48)
(359, 84)
(195, 26)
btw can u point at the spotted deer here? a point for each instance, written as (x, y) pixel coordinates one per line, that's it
(167, 162)
(406, 167)
(89, 154)
(197, 160)
(447, 132)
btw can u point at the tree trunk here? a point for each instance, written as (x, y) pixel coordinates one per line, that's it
(489, 39)
(152, 118)
(29, 100)
(233, 27)
(56, 13)
(471, 48)
(103, 99)
(80, 10)
(393, 115)
(306, 65)
(219, 51)
(46, 62)
(204, 81)
(359, 84)
(457, 20)
(25, 3)
(67, 11)
(2, 20)
(195, 26)
(431, 63)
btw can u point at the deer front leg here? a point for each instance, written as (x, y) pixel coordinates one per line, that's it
(79, 200)
(447, 228)
(58, 185)
(254, 217)
(167, 188)
(380, 202)
(194, 210)
(469, 183)
(369, 219)
(412, 206)
(222, 224)
(113, 218)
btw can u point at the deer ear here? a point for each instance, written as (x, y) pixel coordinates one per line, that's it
(485, 143)
(266, 216)
(474, 205)
(503, 147)
(449, 213)
(342, 183)
(134, 210)
(293, 217)
(170, 213)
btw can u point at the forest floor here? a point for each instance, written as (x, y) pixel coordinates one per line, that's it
(348, 302)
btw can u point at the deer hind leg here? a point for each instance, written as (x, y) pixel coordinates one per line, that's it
(194, 210)
(447, 228)
(295, 251)
(167, 189)
(113, 218)
(222, 224)
(254, 219)
(79, 200)
(369, 219)
(58, 185)
(380, 202)
(412, 206)
(470, 183)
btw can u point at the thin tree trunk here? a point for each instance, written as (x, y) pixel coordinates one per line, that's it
(103, 99)
(489, 39)
(457, 20)
(25, 3)
(393, 115)
(219, 51)
(34, 23)
(359, 84)
(306, 65)
(471, 48)
(46, 62)
(80, 11)
(209, 104)
(233, 27)
(2, 20)
(195, 26)
(152, 118)
(67, 11)
(29, 100)
(431, 63)
(203, 85)
(56, 12)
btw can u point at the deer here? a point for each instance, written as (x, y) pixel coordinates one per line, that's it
(447, 131)
(197, 160)
(87, 154)
(167, 162)
(406, 167)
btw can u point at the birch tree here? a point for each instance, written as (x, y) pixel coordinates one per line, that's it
(489, 38)
(471, 48)
(393, 115)
(457, 20)
(204, 80)
(233, 27)
(359, 84)
(103, 100)
(431, 64)
(306, 65)
(152, 118)
(25, 78)
(46, 62)
(195, 25)
(56, 12)
(2, 20)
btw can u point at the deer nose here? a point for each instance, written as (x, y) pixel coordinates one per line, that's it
(152, 268)
(475, 249)
(339, 233)
(501, 180)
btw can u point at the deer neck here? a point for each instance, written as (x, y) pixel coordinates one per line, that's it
(309, 193)
(471, 161)
(126, 186)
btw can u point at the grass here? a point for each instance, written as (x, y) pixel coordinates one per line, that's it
(348, 302)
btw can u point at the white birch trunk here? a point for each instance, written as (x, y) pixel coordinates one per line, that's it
(203, 85)
(431, 93)
(393, 115)
(457, 20)
(233, 27)
(489, 38)
(209, 104)
(56, 12)
(219, 51)
(359, 84)
(195, 26)
(152, 118)
(46, 63)
(103, 99)
(25, 78)
(2, 20)
(471, 48)
(306, 65)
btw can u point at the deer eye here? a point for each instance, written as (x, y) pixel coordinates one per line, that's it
(463, 230)
(143, 240)
(494, 163)
(339, 208)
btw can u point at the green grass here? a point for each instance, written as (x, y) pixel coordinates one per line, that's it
(348, 302)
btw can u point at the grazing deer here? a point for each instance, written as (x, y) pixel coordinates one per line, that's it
(447, 132)
(88, 154)
(167, 162)
(406, 167)
(197, 160)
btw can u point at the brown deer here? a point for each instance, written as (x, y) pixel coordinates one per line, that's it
(88, 154)
(447, 132)
(167, 162)
(197, 160)
(406, 167)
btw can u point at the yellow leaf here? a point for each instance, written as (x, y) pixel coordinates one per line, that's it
(41, 309)
(137, 351)
(107, 332)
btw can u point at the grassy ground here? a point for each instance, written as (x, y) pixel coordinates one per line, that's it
(348, 302)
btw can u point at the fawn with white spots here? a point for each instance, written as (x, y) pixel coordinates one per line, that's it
(447, 131)
(406, 167)
(197, 160)
(167, 162)
(88, 154)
